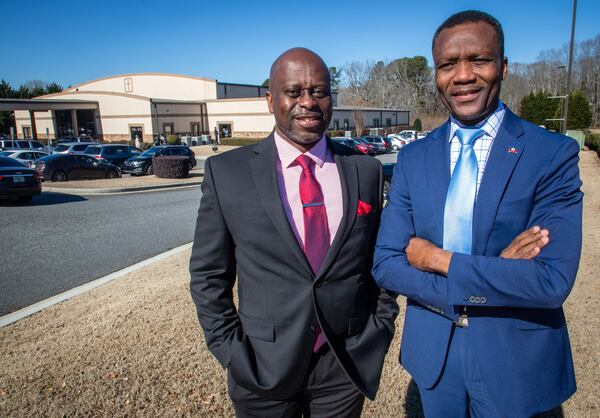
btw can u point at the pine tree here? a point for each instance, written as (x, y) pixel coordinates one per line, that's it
(418, 126)
(580, 114)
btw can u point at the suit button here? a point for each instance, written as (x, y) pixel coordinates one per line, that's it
(483, 299)
(314, 328)
(472, 299)
(477, 299)
(318, 284)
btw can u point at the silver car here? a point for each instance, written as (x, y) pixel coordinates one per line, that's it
(72, 148)
(24, 156)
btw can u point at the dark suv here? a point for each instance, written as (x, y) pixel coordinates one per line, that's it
(142, 164)
(112, 153)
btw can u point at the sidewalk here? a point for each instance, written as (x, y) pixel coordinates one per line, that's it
(129, 183)
(134, 347)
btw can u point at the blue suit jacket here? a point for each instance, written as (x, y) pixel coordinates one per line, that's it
(515, 316)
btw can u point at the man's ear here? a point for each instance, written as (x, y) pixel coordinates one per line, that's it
(270, 101)
(504, 68)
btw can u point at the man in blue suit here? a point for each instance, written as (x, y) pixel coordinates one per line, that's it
(482, 234)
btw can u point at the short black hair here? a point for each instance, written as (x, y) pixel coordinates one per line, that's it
(472, 16)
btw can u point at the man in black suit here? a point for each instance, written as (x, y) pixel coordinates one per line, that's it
(295, 218)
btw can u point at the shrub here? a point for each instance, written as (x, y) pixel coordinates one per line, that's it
(172, 140)
(171, 167)
(592, 141)
(418, 126)
(240, 142)
(333, 133)
(145, 145)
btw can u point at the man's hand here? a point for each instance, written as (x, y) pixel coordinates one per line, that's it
(528, 244)
(425, 256)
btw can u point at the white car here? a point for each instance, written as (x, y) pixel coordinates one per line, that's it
(72, 147)
(24, 156)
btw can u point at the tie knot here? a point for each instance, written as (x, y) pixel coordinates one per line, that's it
(466, 136)
(305, 161)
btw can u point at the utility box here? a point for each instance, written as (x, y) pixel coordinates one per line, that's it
(578, 136)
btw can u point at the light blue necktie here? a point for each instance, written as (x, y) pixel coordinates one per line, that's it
(458, 211)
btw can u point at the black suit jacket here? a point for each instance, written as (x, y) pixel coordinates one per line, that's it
(242, 230)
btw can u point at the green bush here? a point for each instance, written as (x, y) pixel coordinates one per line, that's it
(239, 142)
(418, 126)
(172, 140)
(145, 145)
(333, 133)
(171, 167)
(592, 141)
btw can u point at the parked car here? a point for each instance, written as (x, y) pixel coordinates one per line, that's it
(72, 147)
(6, 144)
(397, 141)
(70, 139)
(365, 146)
(18, 181)
(142, 164)
(377, 142)
(112, 153)
(64, 167)
(343, 140)
(24, 156)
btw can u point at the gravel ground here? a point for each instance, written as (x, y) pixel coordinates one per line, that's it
(134, 348)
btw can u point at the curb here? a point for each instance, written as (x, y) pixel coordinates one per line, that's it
(119, 189)
(86, 287)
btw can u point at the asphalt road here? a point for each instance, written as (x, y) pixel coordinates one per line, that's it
(61, 241)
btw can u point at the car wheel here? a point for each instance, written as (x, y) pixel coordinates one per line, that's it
(111, 174)
(395, 147)
(386, 190)
(25, 199)
(149, 170)
(59, 176)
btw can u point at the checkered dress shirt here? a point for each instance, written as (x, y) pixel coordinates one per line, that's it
(482, 145)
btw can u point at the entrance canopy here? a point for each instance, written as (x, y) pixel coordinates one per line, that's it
(45, 105)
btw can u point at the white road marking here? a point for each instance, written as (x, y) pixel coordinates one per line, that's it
(79, 290)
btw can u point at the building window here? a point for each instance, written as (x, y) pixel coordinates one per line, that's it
(336, 125)
(128, 85)
(346, 124)
(376, 123)
(388, 121)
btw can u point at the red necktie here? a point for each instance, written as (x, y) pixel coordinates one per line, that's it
(316, 229)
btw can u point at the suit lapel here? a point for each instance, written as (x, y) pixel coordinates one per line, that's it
(264, 172)
(438, 179)
(504, 155)
(349, 181)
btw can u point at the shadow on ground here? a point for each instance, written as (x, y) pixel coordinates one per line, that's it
(45, 199)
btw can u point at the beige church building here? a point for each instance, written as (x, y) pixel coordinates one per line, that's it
(151, 104)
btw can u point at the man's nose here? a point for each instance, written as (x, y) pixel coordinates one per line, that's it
(464, 72)
(306, 99)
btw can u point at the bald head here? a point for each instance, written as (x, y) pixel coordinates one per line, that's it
(302, 56)
(299, 97)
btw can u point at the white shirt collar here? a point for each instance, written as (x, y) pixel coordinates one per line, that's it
(490, 125)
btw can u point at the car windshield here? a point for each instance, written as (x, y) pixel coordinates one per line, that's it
(93, 150)
(150, 152)
(61, 148)
(6, 153)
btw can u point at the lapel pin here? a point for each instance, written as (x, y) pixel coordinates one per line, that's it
(513, 150)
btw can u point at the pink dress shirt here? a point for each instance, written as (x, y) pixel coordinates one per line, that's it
(326, 173)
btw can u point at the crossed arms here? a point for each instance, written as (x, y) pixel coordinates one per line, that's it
(534, 271)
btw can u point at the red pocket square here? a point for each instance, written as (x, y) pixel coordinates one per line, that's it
(363, 208)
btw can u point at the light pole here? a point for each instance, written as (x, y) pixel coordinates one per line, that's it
(565, 110)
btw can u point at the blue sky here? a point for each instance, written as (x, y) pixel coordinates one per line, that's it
(236, 41)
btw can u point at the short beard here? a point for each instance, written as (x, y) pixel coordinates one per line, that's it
(305, 141)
